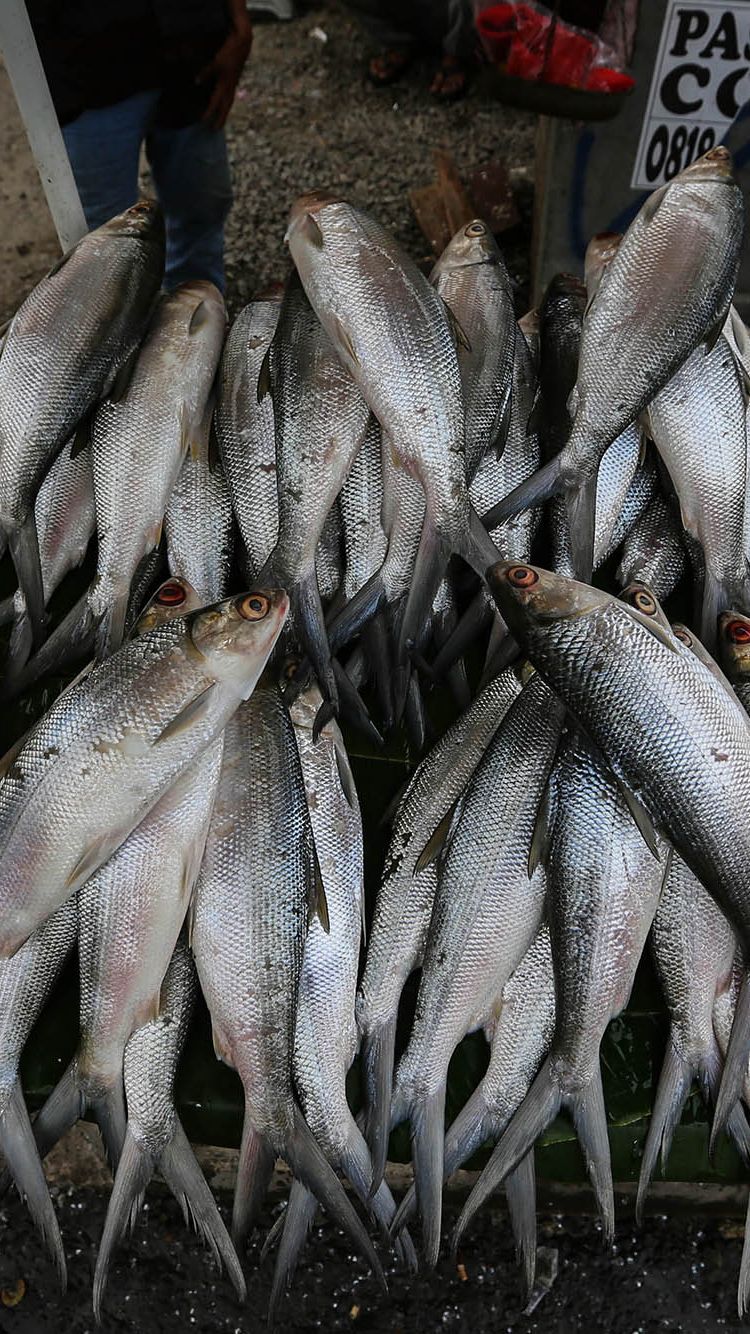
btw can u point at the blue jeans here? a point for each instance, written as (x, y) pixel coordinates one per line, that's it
(190, 171)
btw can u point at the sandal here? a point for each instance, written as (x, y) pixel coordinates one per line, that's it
(388, 67)
(451, 80)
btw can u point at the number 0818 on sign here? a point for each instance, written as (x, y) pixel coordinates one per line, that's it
(701, 80)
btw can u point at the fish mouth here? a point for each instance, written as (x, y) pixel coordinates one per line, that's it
(314, 201)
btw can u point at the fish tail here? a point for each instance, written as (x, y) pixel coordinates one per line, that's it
(64, 1106)
(672, 1090)
(7, 610)
(473, 1125)
(520, 1192)
(24, 550)
(134, 1171)
(415, 718)
(590, 1121)
(468, 628)
(21, 642)
(580, 505)
(427, 1123)
(738, 1127)
(19, 1149)
(356, 613)
(377, 648)
(356, 1164)
(111, 629)
(715, 597)
(383, 1208)
(108, 1111)
(378, 1053)
(187, 1183)
(735, 1065)
(501, 650)
(308, 1164)
(309, 624)
(535, 490)
(297, 1221)
(351, 706)
(456, 677)
(69, 641)
(743, 1285)
(435, 550)
(538, 1109)
(254, 1171)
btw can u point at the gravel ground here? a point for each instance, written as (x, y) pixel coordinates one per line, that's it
(676, 1274)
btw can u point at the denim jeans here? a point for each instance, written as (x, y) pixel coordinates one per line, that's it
(190, 170)
(396, 25)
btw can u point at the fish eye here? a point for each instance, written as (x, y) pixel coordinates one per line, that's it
(522, 576)
(253, 607)
(644, 602)
(170, 595)
(683, 637)
(475, 229)
(738, 632)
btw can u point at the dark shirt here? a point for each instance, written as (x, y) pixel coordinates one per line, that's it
(97, 52)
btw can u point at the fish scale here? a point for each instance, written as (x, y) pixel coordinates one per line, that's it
(199, 521)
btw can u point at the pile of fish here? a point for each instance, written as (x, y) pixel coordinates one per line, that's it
(346, 493)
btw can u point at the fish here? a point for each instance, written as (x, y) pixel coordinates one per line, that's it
(403, 359)
(724, 1010)
(140, 438)
(406, 892)
(474, 283)
(648, 315)
(604, 887)
(328, 556)
(325, 1038)
(698, 422)
(560, 327)
(65, 346)
(113, 744)
(199, 522)
(688, 768)
(248, 932)
(65, 523)
(155, 1139)
(365, 546)
(734, 653)
(653, 550)
(488, 908)
(600, 252)
(519, 1027)
(245, 432)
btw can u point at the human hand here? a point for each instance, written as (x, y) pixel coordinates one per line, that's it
(226, 68)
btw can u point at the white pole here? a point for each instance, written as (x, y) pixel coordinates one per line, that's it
(29, 83)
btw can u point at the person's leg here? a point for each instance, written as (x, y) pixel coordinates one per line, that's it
(191, 175)
(103, 146)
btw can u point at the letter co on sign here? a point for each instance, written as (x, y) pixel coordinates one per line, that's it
(701, 80)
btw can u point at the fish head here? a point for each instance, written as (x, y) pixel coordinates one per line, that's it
(734, 644)
(640, 596)
(472, 244)
(144, 220)
(715, 165)
(306, 216)
(175, 597)
(236, 636)
(600, 252)
(529, 596)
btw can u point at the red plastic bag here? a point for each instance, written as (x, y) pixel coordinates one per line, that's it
(516, 35)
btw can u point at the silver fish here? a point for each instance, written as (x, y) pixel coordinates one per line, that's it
(653, 550)
(361, 507)
(198, 521)
(604, 887)
(114, 743)
(487, 910)
(62, 352)
(245, 431)
(155, 1139)
(249, 926)
(406, 893)
(600, 252)
(140, 438)
(474, 283)
(329, 564)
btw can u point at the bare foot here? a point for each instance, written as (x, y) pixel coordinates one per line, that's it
(388, 66)
(450, 81)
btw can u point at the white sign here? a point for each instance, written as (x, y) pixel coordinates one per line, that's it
(701, 79)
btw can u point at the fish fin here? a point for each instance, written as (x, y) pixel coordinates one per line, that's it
(64, 1106)
(199, 318)
(537, 1111)
(536, 490)
(311, 231)
(357, 612)
(187, 717)
(304, 1157)
(427, 1124)
(470, 625)
(352, 708)
(308, 618)
(222, 1051)
(378, 1054)
(459, 334)
(254, 1172)
(23, 1162)
(541, 836)
(376, 645)
(346, 778)
(92, 857)
(436, 842)
(264, 378)
(651, 206)
(590, 1120)
(735, 1064)
(111, 628)
(433, 555)
(344, 338)
(714, 333)
(520, 1193)
(318, 899)
(24, 549)
(81, 438)
(180, 1170)
(641, 818)
(296, 1222)
(10, 756)
(61, 262)
(467, 1133)
(535, 419)
(109, 1113)
(122, 377)
(675, 1080)
(134, 1171)
(580, 504)
(415, 718)
(69, 641)
(743, 1284)
(715, 599)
